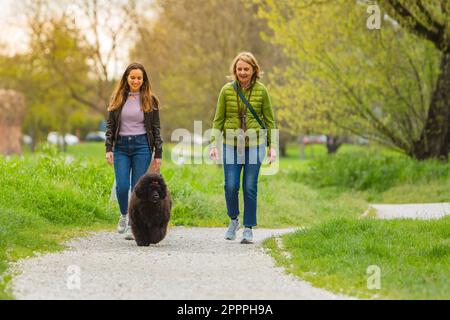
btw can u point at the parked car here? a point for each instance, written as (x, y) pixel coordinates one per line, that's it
(96, 136)
(56, 138)
(26, 139)
(314, 139)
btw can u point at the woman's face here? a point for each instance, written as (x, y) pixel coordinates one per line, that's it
(135, 80)
(244, 71)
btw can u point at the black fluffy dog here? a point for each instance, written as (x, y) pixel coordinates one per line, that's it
(149, 209)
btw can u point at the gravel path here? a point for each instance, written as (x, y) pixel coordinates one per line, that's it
(191, 263)
(424, 211)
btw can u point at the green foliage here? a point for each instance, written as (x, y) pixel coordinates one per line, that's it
(56, 76)
(198, 195)
(344, 77)
(88, 150)
(62, 192)
(51, 196)
(83, 121)
(56, 59)
(412, 257)
(428, 19)
(370, 171)
(188, 50)
(197, 201)
(45, 199)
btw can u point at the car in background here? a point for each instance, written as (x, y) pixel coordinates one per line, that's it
(56, 138)
(96, 136)
(26, 139)
(315, 139)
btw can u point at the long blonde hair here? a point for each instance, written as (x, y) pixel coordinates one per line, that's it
(149, 101)
(249, 58)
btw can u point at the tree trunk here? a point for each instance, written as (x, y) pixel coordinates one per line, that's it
(283, 152)
(333, 143)
(434, 140)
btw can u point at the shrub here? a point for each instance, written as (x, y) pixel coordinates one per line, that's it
(363, 171)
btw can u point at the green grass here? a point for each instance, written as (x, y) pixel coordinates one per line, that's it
(44, 200)
(92, 150)
(412, 256)
(370, 171)
(199, 198)
(335, 253)
(48, 197)
(378, 175)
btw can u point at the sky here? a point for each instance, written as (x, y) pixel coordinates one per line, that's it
(12, 34)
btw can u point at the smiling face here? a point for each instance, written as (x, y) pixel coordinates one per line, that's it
(135, 80)
(244, 72)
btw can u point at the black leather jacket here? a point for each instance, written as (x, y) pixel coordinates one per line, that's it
(152, 126)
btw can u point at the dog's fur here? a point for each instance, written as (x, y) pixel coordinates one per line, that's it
(149, 209)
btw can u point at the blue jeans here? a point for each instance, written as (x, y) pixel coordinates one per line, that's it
(233, 163)
(132, 156)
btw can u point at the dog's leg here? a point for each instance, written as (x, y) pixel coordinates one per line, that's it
(141, 236)
(142, 243)
(157, 235)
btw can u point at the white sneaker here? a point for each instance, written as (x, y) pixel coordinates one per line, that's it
(122, 225)
(129, 234)
(247, 236)
(233, 226)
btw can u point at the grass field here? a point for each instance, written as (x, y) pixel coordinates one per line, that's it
(412, 257)
(48, 197)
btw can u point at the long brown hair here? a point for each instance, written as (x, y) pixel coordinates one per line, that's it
(149, 101)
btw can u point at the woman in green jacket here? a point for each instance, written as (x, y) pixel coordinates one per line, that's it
(245, 141)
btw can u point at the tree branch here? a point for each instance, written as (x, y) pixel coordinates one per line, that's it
(400, 10)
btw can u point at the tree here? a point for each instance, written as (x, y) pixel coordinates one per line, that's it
(50, 104)
(187, 49)
(103, 27)
(430, 20)
(74, 53)
(343, 77)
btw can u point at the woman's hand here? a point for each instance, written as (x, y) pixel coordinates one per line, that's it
(155, 166)
(213, 154)
(272, 155)
(110, 157)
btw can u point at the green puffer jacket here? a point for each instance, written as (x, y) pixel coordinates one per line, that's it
(227, 115)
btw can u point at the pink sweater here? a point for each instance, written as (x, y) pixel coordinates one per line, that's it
(132, 117)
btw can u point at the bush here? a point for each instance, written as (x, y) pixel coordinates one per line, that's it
(55, 188)
(46, 198)
(364, 171)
